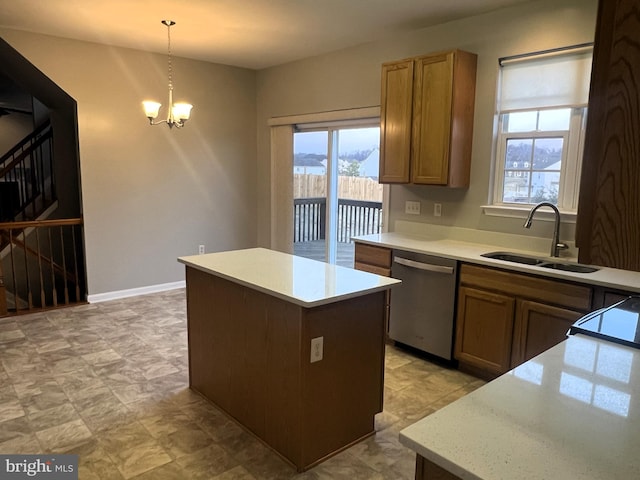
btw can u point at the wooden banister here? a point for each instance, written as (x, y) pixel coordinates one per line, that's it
(42, 258)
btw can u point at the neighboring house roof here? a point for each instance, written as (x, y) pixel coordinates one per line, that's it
(370, 166)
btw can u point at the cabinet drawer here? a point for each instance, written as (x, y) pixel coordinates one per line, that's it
(365, 267)
(372, 255)
(555, 292)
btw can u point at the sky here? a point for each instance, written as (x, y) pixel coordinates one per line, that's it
(352, 139)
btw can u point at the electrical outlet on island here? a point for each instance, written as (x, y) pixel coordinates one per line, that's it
(317, 347)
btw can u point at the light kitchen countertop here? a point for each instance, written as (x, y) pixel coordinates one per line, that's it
(573, 412)
(471, 252)
(304, 282)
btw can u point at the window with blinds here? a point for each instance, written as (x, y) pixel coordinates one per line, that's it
(542, 111)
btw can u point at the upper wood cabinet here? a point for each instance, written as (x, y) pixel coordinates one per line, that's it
(426, 122)
(608, 231)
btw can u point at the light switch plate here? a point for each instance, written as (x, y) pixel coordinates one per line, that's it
(412, 208)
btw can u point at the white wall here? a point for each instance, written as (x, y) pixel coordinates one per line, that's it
(151, 194)
(351, 78)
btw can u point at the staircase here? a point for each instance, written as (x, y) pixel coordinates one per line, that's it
(27, 184)
(41, 261)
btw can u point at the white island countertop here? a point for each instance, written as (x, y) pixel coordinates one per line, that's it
(572, 412)
(302, 281)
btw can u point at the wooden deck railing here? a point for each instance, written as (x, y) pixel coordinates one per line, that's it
(41, 265)
(355, 217)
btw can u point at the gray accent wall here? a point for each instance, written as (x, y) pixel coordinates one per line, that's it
(150, 194)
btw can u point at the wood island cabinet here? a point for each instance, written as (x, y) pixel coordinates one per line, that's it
(426, 121)
(506, 318)
(250, 354)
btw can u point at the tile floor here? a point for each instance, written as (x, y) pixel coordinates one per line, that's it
(108, 382)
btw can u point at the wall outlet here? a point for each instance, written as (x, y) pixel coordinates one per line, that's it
(412, 208)
(437, 209)
(317, 347)
(201, 250)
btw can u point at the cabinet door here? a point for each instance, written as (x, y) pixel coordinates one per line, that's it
(395, 121)
(432, 119)
(539, 327)
(607, 230)
(484, 330)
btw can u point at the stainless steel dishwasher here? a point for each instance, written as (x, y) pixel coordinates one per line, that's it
(422, 308)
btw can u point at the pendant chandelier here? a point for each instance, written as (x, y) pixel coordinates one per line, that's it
(178, 112)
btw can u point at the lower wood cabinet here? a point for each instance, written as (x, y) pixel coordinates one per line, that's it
(605, 297)
(373, 259)
(506, 318)
(485, 329)
(537, 328)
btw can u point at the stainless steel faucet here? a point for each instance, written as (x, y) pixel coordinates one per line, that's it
(556, 245)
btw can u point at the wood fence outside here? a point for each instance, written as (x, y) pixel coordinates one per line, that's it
(307, 185)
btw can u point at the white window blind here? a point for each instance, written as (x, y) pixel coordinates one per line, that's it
(546, 80)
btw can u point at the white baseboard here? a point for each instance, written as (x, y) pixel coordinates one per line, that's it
(134, 292)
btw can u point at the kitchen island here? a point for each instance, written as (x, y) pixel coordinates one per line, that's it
(291, 348)
(572, 412)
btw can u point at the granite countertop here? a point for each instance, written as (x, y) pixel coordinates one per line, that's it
(304, 282)
(572, 412)
(471, 252)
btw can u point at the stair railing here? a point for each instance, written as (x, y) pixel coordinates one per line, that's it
(27, 185)
(41, 261)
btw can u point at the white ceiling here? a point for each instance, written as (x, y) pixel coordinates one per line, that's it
(247, 33)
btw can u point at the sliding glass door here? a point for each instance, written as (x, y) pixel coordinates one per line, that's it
(335, 189)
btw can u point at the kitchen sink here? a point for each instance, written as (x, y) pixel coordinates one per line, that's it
(568, 267)
(513, 257)
(540, 262)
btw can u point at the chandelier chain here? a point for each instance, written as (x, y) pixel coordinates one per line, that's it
(169, 56)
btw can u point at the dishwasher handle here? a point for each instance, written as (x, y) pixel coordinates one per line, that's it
(423, 266)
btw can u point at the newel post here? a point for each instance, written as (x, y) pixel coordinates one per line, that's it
(3, 295)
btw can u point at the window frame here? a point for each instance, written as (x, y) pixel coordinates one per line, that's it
(572, 92)
(571, 166)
